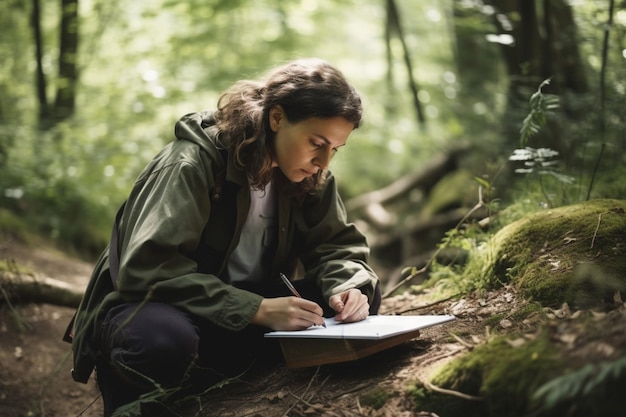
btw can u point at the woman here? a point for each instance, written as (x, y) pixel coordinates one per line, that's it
(192, 277)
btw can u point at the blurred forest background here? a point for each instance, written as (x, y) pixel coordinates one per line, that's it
(90, 91)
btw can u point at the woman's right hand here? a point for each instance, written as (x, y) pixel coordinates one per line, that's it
(288, 313)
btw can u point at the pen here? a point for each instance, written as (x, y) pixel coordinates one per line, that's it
(292, 288)
(290, 285)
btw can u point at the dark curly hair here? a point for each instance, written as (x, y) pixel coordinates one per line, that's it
(304, 88)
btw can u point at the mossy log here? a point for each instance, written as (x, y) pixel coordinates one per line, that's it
(572, 254)
(369, 205)
(21, 288)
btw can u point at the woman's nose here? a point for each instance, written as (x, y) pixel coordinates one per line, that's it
(322, 159)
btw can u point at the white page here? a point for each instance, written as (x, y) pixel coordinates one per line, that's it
(374, 327)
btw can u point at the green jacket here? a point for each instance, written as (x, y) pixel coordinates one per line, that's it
(182, 221)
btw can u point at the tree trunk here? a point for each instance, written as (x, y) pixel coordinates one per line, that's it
(545, 46)
(41, 77)
(68, 69)
(67, 79)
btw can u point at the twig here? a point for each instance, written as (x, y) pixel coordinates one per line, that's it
(478, 205)
(445, 391)
(318, 387)
(358, 405)
(450, 392)
(301, 398)
(88, 406)
(410, 277)
(423, 306)
(595, 233)
(353, 390)
(317, 370)
(461, 341)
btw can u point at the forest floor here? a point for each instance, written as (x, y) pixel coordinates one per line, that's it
(35, 364)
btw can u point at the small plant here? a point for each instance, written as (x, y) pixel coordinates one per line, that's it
(539, 161)
(540, 106)
(584, 387)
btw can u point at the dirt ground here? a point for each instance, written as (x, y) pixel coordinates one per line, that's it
(35, 364)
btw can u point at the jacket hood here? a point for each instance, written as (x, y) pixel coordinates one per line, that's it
(198, 128)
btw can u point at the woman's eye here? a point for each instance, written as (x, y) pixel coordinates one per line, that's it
(316, 144)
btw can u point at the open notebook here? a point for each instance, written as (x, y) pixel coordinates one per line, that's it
(339, 342)
(374, 327)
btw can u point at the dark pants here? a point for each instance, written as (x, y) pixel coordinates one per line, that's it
(156, 346)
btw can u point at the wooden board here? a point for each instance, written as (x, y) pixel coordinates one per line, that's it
(300, 353)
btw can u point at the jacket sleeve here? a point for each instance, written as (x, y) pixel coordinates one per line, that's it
(161, 228)
(334, 253)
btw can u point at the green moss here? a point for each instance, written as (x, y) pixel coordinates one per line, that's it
(503, 377)
(570, 254)
(375, 398)
(494, 320)
(527, 311)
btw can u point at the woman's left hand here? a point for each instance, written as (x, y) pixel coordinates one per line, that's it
(351, 306)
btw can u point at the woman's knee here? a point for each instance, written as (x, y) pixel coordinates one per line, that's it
(156, 340)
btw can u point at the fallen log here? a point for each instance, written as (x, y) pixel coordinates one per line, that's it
(423, 178)
(417, 235)
(21, 288)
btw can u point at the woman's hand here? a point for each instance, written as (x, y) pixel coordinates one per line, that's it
(351, 306)
(288, 313)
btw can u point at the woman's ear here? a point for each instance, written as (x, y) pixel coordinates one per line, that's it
(277, 116)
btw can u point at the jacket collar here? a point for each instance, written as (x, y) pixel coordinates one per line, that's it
(235, 174)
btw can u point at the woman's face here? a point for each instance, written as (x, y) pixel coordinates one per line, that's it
(304, 148)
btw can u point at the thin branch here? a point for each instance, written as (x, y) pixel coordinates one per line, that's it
(450, 392)
(301, 397)
(595, 233)
(461, 341)
(440, 390)
(423, 306)
(422, 270)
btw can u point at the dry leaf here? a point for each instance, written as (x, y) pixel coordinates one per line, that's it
(568, 338)
(505, 323)
(563, 312)
(617, 297)
(515, 343)
(18, 352)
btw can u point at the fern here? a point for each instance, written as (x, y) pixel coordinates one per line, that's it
(582, 386)
(540, 105)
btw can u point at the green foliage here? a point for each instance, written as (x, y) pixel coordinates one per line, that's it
(375, 398)
(46, 184)
(451, 278)
(540, 106)
(504, 377)
(157, 400)
(596, 389)
(12, 227)
(541, 161)
(144, 64)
